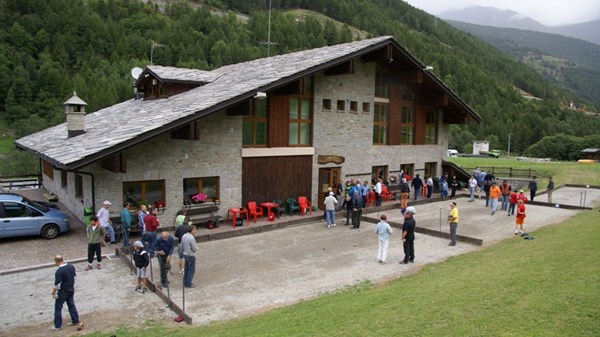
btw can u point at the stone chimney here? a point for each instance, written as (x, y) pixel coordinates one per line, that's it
(75, 111)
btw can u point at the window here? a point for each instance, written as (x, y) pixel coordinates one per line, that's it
(366, 107)
(63, 179)
(78, 186)
(255, 126)
(300, 121)
(380, 124)
(431, 123)
(407, 125)
(409, 170)
(382, 85)
(379, 172)
(353, 106)
(148, 192)
(326, 104)
(47, 169)
(341, 105)
(206, 185)
(430, 169)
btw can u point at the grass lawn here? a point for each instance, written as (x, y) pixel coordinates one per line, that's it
(562, 172)
(545, 287)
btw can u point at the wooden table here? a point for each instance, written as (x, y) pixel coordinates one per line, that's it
(235, 212)
(269, 206)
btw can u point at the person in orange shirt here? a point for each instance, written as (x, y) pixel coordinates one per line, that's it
(494, 196)
(520, 218)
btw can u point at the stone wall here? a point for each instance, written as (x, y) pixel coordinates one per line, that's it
(216, 153)
(350, 134)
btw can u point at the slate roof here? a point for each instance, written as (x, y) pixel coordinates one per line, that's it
(115, 128)
(591, 150)
(172, 74)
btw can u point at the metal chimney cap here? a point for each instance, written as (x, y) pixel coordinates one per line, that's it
(74, 100)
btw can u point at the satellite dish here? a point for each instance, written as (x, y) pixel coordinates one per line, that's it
(136, 72)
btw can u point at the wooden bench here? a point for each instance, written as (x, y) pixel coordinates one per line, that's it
(203, 213)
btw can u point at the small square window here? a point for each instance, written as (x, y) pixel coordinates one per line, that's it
(366, 107)
(341, 105)
(353, 106)
(326, 104)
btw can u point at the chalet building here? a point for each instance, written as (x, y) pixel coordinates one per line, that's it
(273, 128)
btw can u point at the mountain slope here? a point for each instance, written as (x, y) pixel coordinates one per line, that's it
(503, 18)
(570, 62)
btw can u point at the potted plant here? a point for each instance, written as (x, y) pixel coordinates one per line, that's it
(199, 197)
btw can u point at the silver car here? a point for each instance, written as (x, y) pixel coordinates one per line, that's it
(20, 216)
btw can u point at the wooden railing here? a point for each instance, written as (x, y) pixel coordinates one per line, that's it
(509, 172)
(10, 183)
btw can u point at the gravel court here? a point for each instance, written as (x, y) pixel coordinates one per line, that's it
(249, 274)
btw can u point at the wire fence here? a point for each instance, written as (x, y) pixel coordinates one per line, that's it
(509, 172)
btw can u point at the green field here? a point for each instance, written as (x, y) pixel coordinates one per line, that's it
(562, 172)
(6, 139)
(546, 287)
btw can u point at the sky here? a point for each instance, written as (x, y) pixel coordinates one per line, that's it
(547, 12)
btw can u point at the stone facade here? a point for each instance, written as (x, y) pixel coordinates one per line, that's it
(216, 153)
(350, 134)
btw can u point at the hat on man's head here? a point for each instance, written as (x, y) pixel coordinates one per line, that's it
(411, 210)
(520, 191)
(138, 244)
(106, 202)
(331, 193)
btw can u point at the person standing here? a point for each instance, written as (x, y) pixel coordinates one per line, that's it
(141, 260)
(532, 188)
(494, 196)
(378, 190)
(125, 223)
(163, 246)
(405, 190)
(408, 235)
(383, 231)
(512, 202)
(357, 207)
(179, 233)
(181, 217)
(520, 218)
(104, 218)
(429, 187)
(64, 291)
(417, 184)
(330, 204)
(453, 222)
(151, 225)
(549, 189)
(472, 187)
(189, 256)
(95, 234)
(365, 191)
(505, 189)
(453, 187)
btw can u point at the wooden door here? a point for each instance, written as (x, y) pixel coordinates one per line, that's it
(328, 177)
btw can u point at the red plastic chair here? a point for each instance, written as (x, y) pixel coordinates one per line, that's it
(254, 210)
(385, 194)
(370, 199)
(304, 205)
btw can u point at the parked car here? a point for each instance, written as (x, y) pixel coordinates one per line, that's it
(452, 153)
(20, 216)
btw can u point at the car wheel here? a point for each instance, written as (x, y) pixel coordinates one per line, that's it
(50, 231)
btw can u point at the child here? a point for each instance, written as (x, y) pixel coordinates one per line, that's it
(512, 199)
(520, 217)
(142, 260)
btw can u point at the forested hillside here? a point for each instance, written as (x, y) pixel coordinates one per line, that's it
(570, 62)
(50, 48)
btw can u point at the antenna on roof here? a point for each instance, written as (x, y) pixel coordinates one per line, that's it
(154, 45)
(269, 43)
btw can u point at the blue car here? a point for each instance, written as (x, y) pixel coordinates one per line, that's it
(20, 216)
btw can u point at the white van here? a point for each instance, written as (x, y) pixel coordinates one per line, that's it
(452, 153)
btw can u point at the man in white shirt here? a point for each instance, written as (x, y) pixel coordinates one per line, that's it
(104, 219)
(378, 190)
